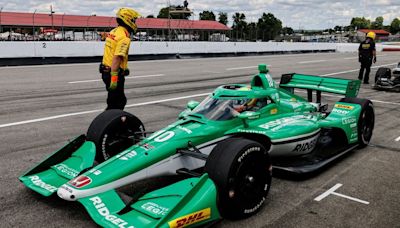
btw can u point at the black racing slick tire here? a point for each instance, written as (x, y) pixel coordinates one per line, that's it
(114, 131)
(242, 172)
(366, 120)
(383, 72)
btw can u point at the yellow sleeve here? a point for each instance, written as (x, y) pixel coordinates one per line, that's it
(122, 48)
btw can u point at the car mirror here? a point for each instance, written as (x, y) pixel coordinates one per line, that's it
(192, 104)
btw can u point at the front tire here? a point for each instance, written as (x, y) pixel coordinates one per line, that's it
(366, 120)
(114, 131)
(241, 170)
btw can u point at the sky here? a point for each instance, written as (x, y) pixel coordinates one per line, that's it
(298, 14)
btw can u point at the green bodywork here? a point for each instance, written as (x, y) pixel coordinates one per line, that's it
(191, 201)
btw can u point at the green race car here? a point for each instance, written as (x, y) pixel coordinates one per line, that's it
(224, 149)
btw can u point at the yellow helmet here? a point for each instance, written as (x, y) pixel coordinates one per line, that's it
(128, 16)
(371, 35)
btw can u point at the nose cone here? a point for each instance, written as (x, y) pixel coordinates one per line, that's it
(66, 193)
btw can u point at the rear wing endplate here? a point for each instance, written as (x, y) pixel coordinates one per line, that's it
(346, 87)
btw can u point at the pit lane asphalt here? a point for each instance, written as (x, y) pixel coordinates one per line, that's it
(31, 93)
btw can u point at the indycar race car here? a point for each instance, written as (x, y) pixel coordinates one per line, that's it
(223, 149)
(385, 81)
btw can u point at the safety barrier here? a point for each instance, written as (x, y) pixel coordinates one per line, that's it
(91, 49)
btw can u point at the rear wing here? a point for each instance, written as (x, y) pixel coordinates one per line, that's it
(346, 87)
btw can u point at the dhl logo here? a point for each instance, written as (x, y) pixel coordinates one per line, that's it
(344, 106)
(111, 36)
(190, 218)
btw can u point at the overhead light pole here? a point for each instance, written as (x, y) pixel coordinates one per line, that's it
(62, 26)
(52, 19)
(33, 24)
(1, 28)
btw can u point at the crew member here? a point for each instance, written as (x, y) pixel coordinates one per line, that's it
(114, 66)
(366, 55)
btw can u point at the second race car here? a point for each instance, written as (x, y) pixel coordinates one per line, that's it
(386, 79)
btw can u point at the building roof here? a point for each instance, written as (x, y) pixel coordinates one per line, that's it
(77, 21)
(376, 31)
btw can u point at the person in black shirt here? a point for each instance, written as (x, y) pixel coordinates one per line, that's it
(366, 55)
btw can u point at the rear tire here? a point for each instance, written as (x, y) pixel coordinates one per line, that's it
(241, 170)
(114, 131)
(366, 120)
(383, 72)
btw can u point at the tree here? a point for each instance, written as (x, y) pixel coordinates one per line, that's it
(223, 18)
(207, 15)
(287, 31)
(378, 23)
(338, 28)
(239, 24)
(174, 13)
(395, 26)
(150, 16)
(268, 27)
(360, 23)
(251, 31)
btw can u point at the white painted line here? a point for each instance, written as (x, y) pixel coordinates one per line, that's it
(313, 61)
(129, 77)
(145, 76)
(98, 110)
(49, 65)
(349, 71)
(397, 139)
(49, 118)
(332, 191)
(240, 68)
(357, 57)
(327, 193)
(350, 198)
(211, 72)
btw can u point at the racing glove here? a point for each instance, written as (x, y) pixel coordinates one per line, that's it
(114, 80)
(374, 60)
(126, 72)
(359, 58)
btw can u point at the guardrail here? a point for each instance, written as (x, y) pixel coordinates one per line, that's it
(92, 51)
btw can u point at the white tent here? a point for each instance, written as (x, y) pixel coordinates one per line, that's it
(5, 35)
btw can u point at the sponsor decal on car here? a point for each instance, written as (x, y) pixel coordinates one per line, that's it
(340, 111)
(155, 208)
(105, 212)
(252, 131)
(349, 120)
(282, 122)
(190, 219)
(348, 107)
(67, 170)
(80, 181)
(305, 146)
(127, 155)
(273, 111)
(40, 183)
